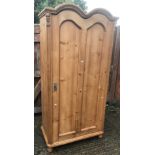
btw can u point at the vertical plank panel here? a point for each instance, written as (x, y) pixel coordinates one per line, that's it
(115, 68)
(55, 73)
(80, 90)
(94, 47)
(44, 76)
(36, 50)
(69, 48)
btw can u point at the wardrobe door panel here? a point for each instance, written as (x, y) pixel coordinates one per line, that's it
(70, 35)
(94, 50)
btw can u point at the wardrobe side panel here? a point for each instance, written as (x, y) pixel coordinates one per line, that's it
(44, 76)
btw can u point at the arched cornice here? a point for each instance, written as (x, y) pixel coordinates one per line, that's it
(76, 9)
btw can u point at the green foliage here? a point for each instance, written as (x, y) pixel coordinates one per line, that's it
(41, 4)
(81, 4)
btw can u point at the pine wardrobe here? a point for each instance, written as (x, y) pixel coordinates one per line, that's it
(76, 51)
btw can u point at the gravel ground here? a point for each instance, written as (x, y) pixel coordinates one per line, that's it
(108, 145)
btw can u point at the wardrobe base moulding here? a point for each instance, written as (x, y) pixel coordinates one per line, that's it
(99, 134)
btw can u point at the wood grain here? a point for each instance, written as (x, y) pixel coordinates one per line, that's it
(69, 51)
(94, 46)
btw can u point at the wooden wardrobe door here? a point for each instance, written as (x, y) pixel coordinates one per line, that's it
(66, 47)
(70, 36)
(94, 52)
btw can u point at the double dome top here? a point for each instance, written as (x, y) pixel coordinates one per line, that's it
(78, 10)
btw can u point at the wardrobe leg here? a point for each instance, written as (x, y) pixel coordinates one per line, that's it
(49, 149)
(100, 136)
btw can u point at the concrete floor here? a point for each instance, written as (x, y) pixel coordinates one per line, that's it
(108, 145)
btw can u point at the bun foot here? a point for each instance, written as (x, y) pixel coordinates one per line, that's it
(49, 150)
(100, 136)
